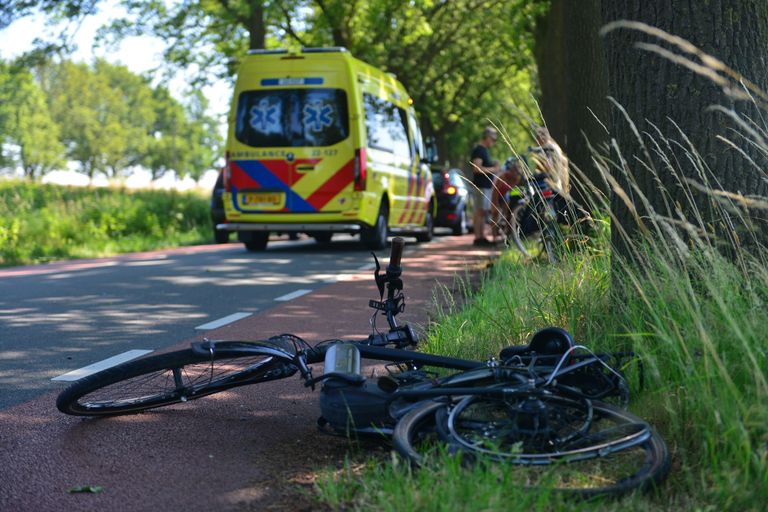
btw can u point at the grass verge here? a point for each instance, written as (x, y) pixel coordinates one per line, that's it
(40, 223)
(692, 302)
(699, 328)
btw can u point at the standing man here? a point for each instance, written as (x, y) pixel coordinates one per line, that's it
(484, 170)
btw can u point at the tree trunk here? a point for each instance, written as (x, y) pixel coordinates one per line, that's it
(551, 61)
(257, 29)
(571, 63)
(659, 93)
(586, 91)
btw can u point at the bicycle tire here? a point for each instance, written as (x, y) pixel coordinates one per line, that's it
(515, 230)
(548, 238)
(543, 427)
(166, 379)
(652, 467)
(547, 234)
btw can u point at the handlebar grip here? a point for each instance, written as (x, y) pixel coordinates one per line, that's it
(396, 254)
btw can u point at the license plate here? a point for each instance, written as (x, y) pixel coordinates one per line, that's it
(262, 199)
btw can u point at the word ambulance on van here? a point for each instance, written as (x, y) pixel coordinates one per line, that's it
(321, 143)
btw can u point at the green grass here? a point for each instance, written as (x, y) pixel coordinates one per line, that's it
(40, 223)
(700, 329)
(693, 302)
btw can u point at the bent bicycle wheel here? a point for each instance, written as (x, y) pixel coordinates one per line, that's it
(170, 378)
(590, 462)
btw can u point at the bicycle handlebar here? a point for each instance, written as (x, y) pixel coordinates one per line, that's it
(395, 256)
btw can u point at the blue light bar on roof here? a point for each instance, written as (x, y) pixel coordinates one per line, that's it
(266, 82)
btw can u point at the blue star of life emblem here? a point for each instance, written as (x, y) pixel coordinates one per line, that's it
(263, 116)
(317, 116)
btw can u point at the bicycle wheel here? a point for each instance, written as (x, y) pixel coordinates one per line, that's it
(539, 428)
(542, 242)
(170, 378)
(415, 432)
(613, 469)
(548, 241)
(515, 230)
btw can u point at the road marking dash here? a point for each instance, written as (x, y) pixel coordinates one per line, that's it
(292, 295)
(101, 365)
(215, 324)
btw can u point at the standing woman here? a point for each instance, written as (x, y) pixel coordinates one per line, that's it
(553, 163)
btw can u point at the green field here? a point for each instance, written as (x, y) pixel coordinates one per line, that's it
(40, 223)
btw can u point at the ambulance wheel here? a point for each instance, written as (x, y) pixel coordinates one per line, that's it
(376, 237)
(429, 226)
(257, 241)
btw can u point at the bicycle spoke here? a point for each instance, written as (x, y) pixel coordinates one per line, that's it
(173, 383)
(595, 464)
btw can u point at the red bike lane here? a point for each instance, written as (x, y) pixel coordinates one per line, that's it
(252, 448)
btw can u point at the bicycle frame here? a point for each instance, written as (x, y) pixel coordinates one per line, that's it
(376, 346)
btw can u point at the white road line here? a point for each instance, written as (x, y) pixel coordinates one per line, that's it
(292, 295)
(101, 365)
(215, 324)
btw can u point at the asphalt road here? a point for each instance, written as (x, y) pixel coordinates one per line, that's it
(63, 316)
(248, 449)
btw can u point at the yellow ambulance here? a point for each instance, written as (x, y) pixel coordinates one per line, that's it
(321, 143)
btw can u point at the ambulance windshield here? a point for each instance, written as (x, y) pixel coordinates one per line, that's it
(292, 117)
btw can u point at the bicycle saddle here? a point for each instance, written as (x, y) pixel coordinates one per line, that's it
(549, 341)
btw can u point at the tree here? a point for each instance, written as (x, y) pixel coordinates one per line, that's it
(670, 104)
(464, 61)
(184, 141)
(166, 150)
(105, 114)
(132, 113)
(206, 37)
(573, 81)
(26, 124)
(12, 10)
(204, 146)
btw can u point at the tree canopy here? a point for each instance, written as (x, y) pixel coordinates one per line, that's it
(465, 62)
(103, 117)
(26, 124)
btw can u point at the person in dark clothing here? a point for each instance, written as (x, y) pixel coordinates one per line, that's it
(484, 169)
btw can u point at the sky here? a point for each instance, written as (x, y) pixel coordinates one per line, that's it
(139, 54)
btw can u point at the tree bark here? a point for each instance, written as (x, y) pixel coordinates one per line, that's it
(551, 62)
(257, 29)
(659, 93)
(573, 81)
(587, 88)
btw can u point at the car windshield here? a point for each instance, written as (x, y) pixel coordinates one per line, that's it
(292, 117)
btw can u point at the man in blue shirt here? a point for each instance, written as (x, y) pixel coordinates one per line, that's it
(484, 170)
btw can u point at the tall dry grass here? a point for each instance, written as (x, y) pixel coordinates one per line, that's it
(692, 300)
